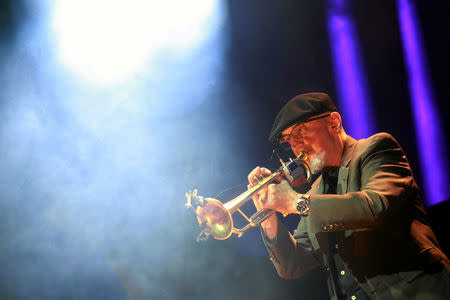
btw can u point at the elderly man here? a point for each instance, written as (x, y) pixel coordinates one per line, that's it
(362, 220)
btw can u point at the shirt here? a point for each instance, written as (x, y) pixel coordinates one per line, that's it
(345, 284)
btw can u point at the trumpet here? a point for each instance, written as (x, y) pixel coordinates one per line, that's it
(216, 218)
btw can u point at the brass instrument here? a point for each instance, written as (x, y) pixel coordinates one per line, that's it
(215, 218)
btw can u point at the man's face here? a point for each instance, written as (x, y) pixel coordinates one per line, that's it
(315, 139)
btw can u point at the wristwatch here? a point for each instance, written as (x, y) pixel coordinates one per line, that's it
(303, 204)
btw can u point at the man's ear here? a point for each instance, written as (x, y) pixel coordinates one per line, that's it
(335, 122)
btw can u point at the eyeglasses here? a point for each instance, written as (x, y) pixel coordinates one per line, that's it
(300, 130)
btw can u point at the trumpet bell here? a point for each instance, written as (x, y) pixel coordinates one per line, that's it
(215, 218)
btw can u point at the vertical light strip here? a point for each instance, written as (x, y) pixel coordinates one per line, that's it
(429, 137)
(349, 76)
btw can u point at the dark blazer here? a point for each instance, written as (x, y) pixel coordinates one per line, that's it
(382, 230)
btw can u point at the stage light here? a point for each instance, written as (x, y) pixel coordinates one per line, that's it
(428, 130)
(351, 85)
(106, 42)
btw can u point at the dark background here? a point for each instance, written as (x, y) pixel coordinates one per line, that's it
(276, 50)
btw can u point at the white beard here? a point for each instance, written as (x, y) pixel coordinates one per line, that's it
(317, 162)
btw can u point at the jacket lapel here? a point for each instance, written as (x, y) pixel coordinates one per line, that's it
(349, 148)
(318, 187)
(342, 182)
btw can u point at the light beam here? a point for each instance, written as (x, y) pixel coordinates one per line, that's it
(106, 42)
(428, 129)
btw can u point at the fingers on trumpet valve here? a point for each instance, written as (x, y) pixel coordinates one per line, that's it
(257, 179)
(257, 175)
(253, 178)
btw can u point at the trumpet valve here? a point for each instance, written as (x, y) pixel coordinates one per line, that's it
(188, 203)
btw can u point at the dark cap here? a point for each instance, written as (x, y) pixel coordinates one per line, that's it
(299, 109)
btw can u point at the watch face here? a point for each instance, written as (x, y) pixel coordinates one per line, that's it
(302, 205)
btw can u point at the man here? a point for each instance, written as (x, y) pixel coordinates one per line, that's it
(362, 220)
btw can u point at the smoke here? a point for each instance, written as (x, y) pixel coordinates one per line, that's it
(93, 178)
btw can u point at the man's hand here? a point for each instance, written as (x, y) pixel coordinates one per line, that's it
(282, 198)
(270, 225)
(260, 198)
(279, 197)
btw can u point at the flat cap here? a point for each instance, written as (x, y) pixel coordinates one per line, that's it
(299, 109)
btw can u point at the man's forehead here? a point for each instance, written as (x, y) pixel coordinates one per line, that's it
(288, 130)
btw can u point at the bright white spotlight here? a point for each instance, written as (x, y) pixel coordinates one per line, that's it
(107, 41)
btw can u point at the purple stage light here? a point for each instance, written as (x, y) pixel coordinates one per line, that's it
(428, 130)
(350, 78)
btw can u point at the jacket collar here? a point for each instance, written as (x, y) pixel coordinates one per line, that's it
(347, 154)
